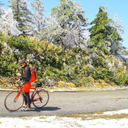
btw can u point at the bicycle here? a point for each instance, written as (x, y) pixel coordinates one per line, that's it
(15, 99)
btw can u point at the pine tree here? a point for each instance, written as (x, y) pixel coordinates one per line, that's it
(105, 33)
(101, 31)
(66, 25)
(22, 15)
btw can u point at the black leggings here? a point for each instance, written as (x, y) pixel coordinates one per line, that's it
(27, 99)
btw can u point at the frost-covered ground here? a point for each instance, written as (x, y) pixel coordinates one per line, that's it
(79, 121)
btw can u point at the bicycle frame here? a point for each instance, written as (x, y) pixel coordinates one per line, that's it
(33, 94)
(19, 92)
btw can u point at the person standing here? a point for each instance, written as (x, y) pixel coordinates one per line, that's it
(25, 76)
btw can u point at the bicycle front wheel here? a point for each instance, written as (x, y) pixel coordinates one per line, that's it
(41, 98)
(14, 101)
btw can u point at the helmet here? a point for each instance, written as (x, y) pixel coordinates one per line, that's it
(22, 61)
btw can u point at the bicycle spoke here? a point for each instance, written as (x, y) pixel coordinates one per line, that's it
(14, 101)
(40, 99)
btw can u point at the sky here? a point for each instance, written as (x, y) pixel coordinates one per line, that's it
(91, 8)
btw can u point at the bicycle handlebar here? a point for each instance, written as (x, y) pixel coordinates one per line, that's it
(16, 83)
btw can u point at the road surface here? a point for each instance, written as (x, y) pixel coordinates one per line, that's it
(63, 103)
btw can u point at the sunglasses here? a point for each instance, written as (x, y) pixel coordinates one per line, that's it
(22, 64)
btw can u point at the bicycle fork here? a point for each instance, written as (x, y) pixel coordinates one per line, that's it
(17, 96)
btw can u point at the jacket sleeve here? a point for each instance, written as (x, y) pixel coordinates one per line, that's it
(27, 75)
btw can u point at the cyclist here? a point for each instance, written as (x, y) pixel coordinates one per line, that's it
(25, 76)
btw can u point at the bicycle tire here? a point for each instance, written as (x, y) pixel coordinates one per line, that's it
(12, 105)
(45, 98)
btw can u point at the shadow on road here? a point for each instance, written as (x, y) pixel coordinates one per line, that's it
(45, 109)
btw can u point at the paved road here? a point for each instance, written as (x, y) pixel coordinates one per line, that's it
(62, 103)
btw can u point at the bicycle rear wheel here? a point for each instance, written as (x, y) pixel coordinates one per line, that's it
(11, 104)
(41, 98)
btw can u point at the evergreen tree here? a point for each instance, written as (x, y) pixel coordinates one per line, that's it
(66, 25)
(101, 31)
(22, 15)
(105, 33)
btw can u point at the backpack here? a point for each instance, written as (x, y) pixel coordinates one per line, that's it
(33, 74)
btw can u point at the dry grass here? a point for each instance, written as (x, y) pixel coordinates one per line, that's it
(98, 115)
(25, 118)
(6, 82)
(42, 117)
(90, 88)
(99, 85)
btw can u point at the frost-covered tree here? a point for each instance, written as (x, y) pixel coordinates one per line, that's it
(116, 46)
(8, 23)
(22, 15)
(38, 15)
(116, 43)
(66, 24)
(1, 9)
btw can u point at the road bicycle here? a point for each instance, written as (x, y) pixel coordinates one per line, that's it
(15, 99)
